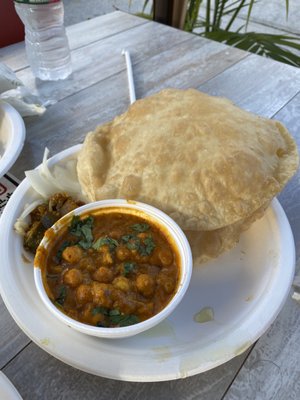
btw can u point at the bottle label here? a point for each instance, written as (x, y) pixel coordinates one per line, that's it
(37, 1)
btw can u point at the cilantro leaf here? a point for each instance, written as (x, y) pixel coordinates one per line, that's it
(86, 231)
(150, 245)
(114, 312)
(62, 247)
(140, 227)
(62, 294)
(129, 267)
(146, 248)
(82, 229)
(75, 226)
(100, 310)
(132, 242)
(116, 318)
(84, 244)
(112, 243)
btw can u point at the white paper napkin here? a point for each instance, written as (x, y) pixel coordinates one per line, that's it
(13, 91)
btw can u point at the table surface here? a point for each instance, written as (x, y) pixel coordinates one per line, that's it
(96, 92)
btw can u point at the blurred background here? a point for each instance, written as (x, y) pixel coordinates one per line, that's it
(266, 27)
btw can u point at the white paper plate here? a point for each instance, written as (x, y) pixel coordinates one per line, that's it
(7, 389)
(245, 288)
(12, 136)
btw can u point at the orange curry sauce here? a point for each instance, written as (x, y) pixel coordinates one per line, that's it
(112, 269)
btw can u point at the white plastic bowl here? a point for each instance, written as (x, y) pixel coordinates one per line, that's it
(12, 136)
(148, 212)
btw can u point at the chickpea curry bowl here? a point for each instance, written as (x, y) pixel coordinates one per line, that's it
(113, 268)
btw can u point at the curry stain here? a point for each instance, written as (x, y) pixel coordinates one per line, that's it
(206, 314)
(242, 348)
(162, 329)
(162, 353)
(131, 201)
(249, 298)
(45, 342)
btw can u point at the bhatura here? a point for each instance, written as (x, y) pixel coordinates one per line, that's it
(213, 167)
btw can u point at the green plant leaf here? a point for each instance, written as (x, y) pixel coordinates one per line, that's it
(235, 14)
(277, 47)
(249, 12)
(260, 43)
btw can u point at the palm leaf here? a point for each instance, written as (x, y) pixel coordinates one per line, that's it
(259, 43)
(249, 12)
(235, 14)
(207, 16)
(274, 46)
(192, 13)
(145, 6)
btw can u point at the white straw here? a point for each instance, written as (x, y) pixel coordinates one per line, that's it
(130, 76)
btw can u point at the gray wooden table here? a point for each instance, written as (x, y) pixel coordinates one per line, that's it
(97, 91)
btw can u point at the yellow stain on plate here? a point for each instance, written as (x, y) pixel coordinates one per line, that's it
(45, 342)
(242, 348)
(163, 329)
(162, 353)
(206, 314)
(131, 201)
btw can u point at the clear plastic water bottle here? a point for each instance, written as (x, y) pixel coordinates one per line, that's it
(47, 46)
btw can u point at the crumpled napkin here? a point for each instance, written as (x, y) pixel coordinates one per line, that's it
(13, 91)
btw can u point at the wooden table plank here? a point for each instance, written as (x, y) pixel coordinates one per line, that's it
(143, 41)
(13, 339)
(257, 84)
(188, 65)
(273, 369)
(47, 378)
(79, 35)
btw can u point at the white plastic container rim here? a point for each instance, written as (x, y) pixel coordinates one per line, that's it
(186, 270)
(14, 137)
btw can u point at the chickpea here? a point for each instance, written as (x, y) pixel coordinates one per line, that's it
(142, 235)
(122, 253)
(97, 319)
(146, 309)
(87, 263)
(121, 283)
(166, 282)
(102, 294)
(103, 274)
(73, 277)
(87, 315)
(84, 294)
(72, 254)
(116, 233)
(165, 256)
(126, 306)
(57, 269)
(73, 314)
(145, 284)
(86, 311)
(106, 256)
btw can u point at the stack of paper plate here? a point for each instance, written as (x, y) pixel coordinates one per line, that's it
(12, 136)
